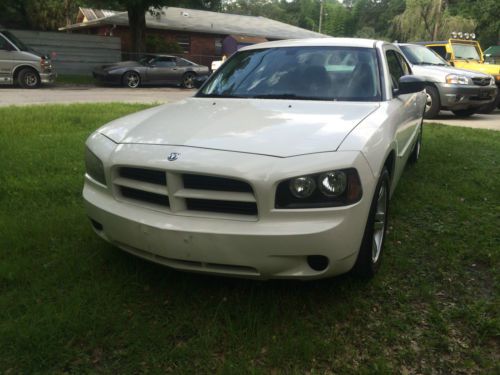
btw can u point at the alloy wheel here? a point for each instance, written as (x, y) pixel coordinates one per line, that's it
(428, 102)
(133, 80)
(379, 223)
(188, 81)
(31, 79)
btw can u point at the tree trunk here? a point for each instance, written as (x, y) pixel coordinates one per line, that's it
(137, 24)
(437, 24)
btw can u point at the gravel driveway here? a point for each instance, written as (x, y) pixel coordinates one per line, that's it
(90, 93)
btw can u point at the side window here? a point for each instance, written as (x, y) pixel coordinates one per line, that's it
(440, 50)
(165, 62)
(5, 45)
(404, 65)
(395, 69)
(182, 62)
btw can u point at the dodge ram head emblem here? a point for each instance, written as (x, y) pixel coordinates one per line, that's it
(173, 156)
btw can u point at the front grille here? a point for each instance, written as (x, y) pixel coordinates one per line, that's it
(145, 196)
(146, 175)
(480, 81)
(177, 192)
(193, 181)
(239, 208)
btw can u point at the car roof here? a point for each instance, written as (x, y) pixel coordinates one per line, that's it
(432, 42)
(316, 42)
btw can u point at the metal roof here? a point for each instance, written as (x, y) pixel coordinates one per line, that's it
(201, 21)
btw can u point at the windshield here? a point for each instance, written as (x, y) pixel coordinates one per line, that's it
(306, 73)
(16, 42)
(465, 51)
(419, 55)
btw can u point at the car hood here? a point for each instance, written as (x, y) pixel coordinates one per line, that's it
(279, 128)
(441, 72)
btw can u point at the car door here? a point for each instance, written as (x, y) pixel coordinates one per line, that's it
(162, 69)
(7, 60)
(405, 105)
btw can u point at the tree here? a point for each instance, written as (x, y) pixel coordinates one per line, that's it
(37, 14)
(429, 20)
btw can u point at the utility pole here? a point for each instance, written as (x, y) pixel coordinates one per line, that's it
(320, 15)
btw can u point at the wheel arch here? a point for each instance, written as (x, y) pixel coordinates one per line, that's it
(18, 68)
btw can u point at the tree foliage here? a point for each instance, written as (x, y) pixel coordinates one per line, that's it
(430, 20)
(404, 20)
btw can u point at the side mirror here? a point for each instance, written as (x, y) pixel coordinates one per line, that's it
(199, 81)
(410, 85)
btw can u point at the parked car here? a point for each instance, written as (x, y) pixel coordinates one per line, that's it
(21, 65)
(277, 168)
(461, 91)
(462, 51)
(152, 69)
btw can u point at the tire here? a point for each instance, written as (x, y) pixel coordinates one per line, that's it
(370, 253)
(188, 80)
(433, 104)
(465, 112)
(415, 154)
(490, 107)
(131, 79)
(28, 79)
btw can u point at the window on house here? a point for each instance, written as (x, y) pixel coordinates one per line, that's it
(218, 46)
(184, 41)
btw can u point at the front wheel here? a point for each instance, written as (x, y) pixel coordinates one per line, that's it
(188, 80)
(28, 79)
(131, 79)
(370, 253)
(465, 112)
(432, 103)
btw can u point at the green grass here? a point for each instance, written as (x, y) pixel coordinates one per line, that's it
(70, 303)
(69, 79)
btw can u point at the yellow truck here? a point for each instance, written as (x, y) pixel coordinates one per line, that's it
(463, 52)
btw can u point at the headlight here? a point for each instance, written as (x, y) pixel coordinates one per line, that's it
(94, 167)
(456, 79)
(332, 184)
(328, 189)
(302, 187)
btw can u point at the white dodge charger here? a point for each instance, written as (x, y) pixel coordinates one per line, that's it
(281, 166)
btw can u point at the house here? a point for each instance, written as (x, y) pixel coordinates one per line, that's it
(199, 33)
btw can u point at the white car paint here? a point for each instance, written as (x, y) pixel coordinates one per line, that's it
(261, 142)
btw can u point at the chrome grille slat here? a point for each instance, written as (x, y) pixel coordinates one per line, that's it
(140, 185)
(215, 195)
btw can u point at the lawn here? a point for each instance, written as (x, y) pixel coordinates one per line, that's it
(69, 79)
(70, 303)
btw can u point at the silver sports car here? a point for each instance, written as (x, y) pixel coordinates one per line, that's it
(152, 69)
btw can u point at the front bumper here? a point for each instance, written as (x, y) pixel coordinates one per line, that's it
(49, 77)
(275, 245)
(105, 77)
(456, 97)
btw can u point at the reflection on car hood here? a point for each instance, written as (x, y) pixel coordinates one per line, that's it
(121, 64)
(443, 71)
(270, 127)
